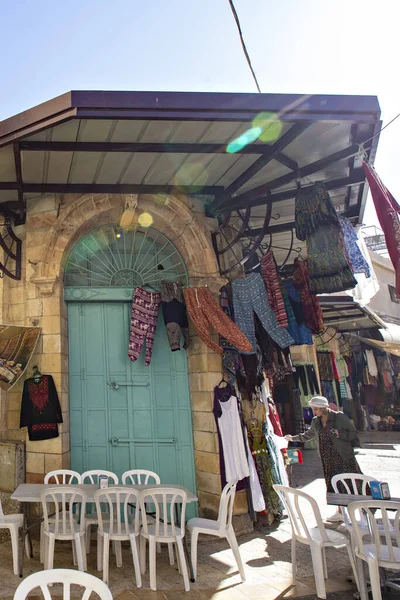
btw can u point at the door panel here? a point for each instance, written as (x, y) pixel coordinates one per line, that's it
(125, 415)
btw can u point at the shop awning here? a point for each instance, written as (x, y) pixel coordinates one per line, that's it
(346, 315)
(390, 342)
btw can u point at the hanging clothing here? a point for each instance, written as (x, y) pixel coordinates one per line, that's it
(223, 394)
(204, 311)
(257, 497)
(387, 210)
(269, 273)
(355, 257)
(312, 379)
(329, 391)
(325, 366)
(300, 332)
(145, 307)
(313, 208)
(327, 263)
(175, 316)
(230, 355)
(371, 363)
(312, 310)
(40, 408)
(249, 297)
(230, 428)
(367, 287)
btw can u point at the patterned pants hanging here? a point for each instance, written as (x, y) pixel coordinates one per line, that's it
(145, 307)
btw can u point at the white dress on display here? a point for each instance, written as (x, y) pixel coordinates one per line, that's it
(236, 465)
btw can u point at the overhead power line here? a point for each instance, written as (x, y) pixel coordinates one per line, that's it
(236, 17)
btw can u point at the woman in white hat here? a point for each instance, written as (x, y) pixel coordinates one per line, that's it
(335, 436)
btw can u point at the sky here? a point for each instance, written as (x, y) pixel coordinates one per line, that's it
(296, 46)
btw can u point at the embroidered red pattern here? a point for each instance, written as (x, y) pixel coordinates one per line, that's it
(39, 393)
(44, 427)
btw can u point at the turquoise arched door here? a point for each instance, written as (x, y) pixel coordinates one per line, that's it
(124, 415)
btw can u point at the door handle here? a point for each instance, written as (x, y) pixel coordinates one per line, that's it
(116, 386)
(115, 441)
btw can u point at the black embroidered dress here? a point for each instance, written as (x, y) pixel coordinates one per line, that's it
(40, 409)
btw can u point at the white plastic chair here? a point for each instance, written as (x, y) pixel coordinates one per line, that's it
(63, 477)
(165, 529)
(62, 525)
(91, 517)
(66, 577)
(382, 546)
(140, 477)
(118, 526)
(316, 537)
(58, 477)
(221, 528)
(13, 523)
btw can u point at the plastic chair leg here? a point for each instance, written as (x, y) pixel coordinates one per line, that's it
(324, 563)
(50, 552)
(79, 552)
(353, 562)
(27, 548)
(99, 552)
(231, 537)
(135, 557)
(14, 545)
(42, 543)
(375, 580)
(362, 584)
(88, 535)
(118, 553)
(152, 563)
(193, 551)
(171, 554)
(142, 550)
(106, 557)
(74, 553)
(182, 561)
(318, 567)
(294, 563)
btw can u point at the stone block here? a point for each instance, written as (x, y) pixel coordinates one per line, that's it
(40, 205)
(51, 306)
(65, 447)
(205, 441)
(203, 421)
(51, 344)
(51, 363)
(64, 426)
(42, 220)
(208, 482)
(52, 446)
(242, 524)
(13, 419)
(214, 362)
(198, 363)
(53, 462)
(206, 461)
(203, 382)
(51, 324)
(16, 312)
(201, 401)
(240, 506)
(34, 477)
(14, 401)
(31, 290)
(35, 462)
(34, 308)
(66, 460)
(208, 505)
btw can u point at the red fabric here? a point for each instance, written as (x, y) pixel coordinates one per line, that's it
(269, 274)
(274, 418)
(312, 310)
(334, 367)
(387, 210)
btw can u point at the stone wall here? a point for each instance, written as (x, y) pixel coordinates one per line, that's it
(52, 227)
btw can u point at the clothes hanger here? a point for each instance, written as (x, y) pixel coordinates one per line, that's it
(223, 380)
(36, 375)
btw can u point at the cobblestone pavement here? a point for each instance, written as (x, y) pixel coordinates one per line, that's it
(266, 552)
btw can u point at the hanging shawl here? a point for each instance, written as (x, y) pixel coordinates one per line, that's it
(312, 310)
(387, 210)
(355, 257)
(313, 208)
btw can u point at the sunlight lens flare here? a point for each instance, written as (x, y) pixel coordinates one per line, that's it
(249, 136)
(270, 126)
(145, 219)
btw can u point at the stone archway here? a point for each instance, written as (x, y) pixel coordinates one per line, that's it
(188, 232)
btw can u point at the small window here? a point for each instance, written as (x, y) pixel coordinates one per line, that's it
(392, 292)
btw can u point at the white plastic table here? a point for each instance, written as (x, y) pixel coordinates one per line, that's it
(27, 493)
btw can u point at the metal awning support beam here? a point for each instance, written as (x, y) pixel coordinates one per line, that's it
(105, 188)
(286, 139)
(355, 178)
(314, 167)
(18, 171)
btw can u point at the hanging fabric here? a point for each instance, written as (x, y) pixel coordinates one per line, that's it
(313, 208)
(145, 307)
(230, 354)
(355, 257)
(269, 273)
(204, 311)
(40, 408)
(297, 327)
(387, 210)
(313, 316)
(327, 262)
(230, 428)
(175, 316)
(249, 297)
